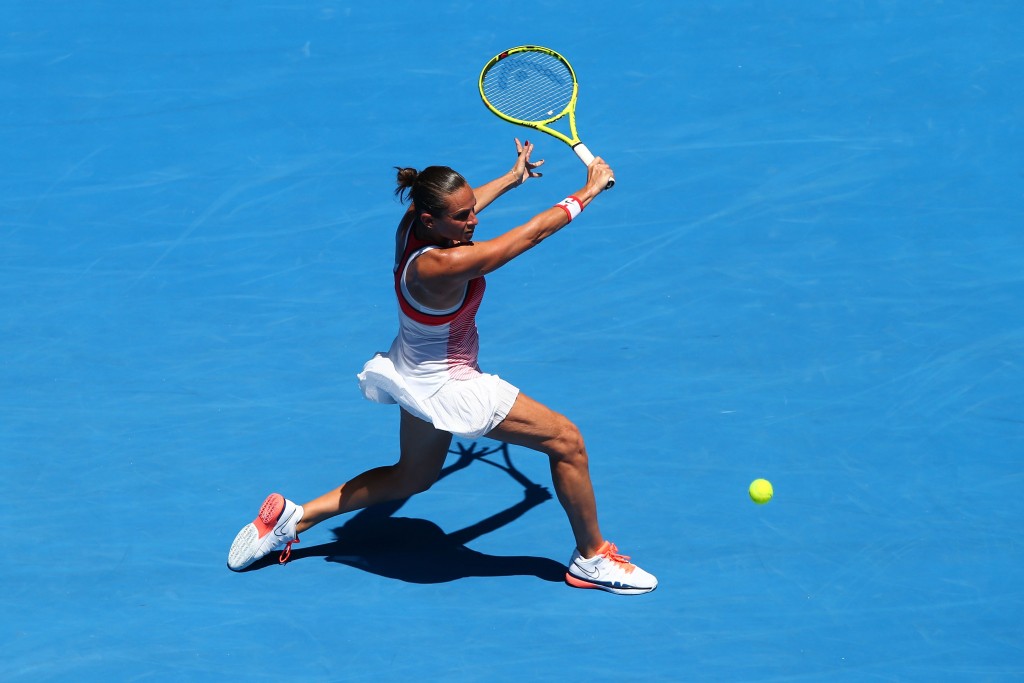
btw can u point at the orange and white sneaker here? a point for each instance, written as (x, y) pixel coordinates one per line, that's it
(609, 571)
(273, 529)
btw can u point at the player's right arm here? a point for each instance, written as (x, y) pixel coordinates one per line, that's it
(450, 269)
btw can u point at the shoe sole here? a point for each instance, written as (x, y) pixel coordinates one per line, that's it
(270, 513)
(241, 554)
(577, 582)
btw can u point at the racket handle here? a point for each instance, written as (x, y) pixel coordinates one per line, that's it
(583, 153)
(588, 158)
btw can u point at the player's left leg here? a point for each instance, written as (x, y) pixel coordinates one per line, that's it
(535, 426)
(596, 563)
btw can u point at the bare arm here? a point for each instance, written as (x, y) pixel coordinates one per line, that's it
(442, 270)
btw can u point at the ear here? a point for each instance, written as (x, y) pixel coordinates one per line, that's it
(427, 220)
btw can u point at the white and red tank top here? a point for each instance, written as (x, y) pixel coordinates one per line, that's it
(434, 346)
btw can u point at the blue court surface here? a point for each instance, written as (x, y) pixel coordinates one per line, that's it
(811, 270)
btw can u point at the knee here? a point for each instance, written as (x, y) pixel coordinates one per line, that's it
(409, 483)
(568, 443)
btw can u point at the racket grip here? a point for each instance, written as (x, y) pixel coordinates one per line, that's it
(587, 158)
(583, 153)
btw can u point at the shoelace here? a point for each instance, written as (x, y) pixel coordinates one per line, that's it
(287, 552)
(615, 556)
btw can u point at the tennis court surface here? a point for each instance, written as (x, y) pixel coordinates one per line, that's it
(810, 270)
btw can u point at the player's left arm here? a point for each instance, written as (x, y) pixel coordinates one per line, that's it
(521, 171)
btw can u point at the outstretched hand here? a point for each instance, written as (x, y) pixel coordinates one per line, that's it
(524, 168)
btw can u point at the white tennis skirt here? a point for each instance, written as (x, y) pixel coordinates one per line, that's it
(467, 408)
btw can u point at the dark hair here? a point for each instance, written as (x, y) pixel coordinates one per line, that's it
(428, 189)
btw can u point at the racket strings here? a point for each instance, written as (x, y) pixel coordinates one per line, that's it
(529, 86)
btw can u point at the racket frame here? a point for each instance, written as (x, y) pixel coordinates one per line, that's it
(573, 139)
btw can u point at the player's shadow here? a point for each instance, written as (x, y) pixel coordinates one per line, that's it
(419, 551)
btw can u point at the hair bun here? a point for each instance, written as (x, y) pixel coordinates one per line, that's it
(406, 177)
(428, 189)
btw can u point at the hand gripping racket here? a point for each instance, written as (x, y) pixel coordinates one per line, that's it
(534, 86)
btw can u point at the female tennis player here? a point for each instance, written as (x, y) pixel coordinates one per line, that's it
(431, 371)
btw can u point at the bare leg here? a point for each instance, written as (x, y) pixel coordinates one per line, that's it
(423, 452)
(534, 425)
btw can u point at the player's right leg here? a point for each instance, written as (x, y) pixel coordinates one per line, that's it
(423, 452)
(273, 529)
(280, 521)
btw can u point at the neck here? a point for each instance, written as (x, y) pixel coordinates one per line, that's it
(421, 232)
(425, 234)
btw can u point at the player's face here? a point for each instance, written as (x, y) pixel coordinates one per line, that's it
(459, 220)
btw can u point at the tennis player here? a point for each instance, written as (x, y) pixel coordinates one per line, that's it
(431, 371)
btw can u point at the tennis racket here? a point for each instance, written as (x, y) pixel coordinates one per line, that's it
(534, 86)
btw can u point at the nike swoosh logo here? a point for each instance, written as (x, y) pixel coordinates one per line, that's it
(592, 574)
(281, 524)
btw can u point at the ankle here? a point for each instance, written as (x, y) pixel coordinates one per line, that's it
(303, 522)
(590, 550)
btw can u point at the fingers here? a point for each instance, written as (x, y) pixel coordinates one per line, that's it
(527, 148)
(599, 166)
(524, 167)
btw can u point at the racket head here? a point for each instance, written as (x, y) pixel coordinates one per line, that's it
(529, 85)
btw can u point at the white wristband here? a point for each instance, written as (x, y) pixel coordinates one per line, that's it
(571, 206)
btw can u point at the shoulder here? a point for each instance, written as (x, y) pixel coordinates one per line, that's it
(433, 260)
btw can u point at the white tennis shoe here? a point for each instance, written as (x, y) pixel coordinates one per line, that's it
(273, 529)
(609, 571)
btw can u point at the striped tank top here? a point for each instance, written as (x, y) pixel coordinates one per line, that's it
(434, 346)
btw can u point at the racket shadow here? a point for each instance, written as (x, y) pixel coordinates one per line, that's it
(419, 551)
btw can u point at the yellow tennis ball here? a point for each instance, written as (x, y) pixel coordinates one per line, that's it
(761, 491)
